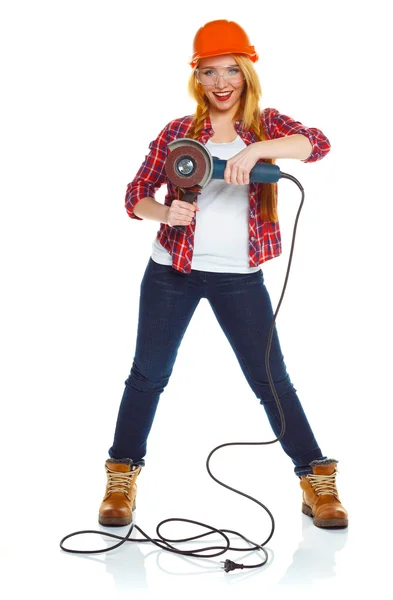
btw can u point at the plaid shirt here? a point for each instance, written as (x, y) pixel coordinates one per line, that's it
(264, 238)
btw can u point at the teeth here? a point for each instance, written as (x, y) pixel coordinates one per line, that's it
(222, 93)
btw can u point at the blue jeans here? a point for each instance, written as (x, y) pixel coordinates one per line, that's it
(242, 306)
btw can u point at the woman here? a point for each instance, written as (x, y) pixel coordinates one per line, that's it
(230, 232)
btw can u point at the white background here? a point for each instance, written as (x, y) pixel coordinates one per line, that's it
(86, 85)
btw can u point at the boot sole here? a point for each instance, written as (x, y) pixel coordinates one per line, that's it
(306, 510)
(116, 521)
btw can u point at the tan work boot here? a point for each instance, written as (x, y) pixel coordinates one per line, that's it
(320, 496)
(119, 500)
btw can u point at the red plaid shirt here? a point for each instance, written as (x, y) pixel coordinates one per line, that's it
(264, 238)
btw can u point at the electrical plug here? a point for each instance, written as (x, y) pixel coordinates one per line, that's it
(229, 565)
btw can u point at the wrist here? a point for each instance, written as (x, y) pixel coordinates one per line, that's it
(260, 150)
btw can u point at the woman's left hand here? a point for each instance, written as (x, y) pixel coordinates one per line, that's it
(237, 170)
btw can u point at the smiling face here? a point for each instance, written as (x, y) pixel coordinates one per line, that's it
(228, 104)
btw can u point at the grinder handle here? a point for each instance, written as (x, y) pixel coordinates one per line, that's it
(189, 196)
(262, 172)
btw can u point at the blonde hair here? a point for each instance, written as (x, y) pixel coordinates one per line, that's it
(249, 112)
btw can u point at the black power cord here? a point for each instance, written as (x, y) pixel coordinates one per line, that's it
(229, 565)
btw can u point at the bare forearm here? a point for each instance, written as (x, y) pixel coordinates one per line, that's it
(290, 146)
(148, 208)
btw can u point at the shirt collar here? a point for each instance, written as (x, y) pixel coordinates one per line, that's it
(207, 124)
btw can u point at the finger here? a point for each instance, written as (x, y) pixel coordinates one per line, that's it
(244, 177)
(238, 178)
(188, 212)
(235, 174)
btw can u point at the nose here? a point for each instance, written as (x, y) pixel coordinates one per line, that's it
(221, 81)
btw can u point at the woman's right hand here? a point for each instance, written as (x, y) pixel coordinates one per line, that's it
(181, 213)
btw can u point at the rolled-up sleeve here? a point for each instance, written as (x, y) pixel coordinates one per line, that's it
(278, 125)
(150, 176)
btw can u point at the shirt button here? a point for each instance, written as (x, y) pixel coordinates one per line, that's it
(252, 239)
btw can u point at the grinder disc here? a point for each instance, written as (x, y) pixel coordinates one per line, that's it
(189, 163)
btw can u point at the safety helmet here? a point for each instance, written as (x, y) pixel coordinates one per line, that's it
(221, 37)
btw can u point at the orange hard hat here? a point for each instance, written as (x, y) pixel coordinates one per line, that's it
(221, 37)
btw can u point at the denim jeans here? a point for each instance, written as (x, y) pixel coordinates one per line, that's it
(242, 306)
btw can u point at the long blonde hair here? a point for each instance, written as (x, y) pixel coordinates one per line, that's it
(250, 113)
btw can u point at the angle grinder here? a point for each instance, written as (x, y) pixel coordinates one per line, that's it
(190, 166)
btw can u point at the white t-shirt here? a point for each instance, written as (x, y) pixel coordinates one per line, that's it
(221, 225)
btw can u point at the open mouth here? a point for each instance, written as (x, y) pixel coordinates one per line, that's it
(222, 96)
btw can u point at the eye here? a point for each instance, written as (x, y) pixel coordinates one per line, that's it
(234, 70)
(208, 71)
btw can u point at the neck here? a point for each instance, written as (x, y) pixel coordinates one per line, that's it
(226, 116)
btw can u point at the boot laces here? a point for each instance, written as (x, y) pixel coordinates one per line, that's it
(119, 482)
(324, 484)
